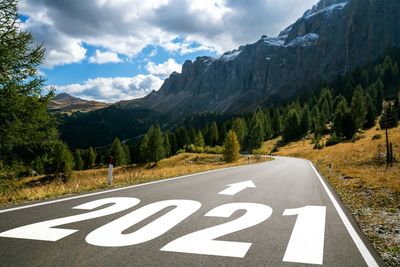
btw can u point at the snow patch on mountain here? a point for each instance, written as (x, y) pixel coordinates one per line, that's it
(305, 40)
(327, 10)
(231, 55)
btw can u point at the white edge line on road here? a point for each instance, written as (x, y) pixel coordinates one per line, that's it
(122, 188)
(369, 259)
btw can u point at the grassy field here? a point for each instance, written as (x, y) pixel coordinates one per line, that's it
(369, 188)
(35, 188)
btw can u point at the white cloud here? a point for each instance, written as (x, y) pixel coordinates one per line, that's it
(126, 27)
(123, 88)
(104, 57)
(113, 89)
(163, 70)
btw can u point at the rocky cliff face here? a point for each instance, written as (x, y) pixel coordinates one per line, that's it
(333, 37)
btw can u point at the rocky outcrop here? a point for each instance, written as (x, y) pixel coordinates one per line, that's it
(333, 37)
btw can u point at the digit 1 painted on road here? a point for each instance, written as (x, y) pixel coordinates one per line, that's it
(306, 244)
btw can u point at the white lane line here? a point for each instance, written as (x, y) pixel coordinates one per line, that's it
(124, 188)
(369, 259)
(233, 189)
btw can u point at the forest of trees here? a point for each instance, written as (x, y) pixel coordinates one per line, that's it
(29, 140)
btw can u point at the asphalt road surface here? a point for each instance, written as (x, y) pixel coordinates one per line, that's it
(279, 213)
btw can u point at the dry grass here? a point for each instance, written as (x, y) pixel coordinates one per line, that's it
(366, 185)
(89, 180)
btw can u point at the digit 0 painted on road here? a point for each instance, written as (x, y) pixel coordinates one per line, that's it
(305, 245)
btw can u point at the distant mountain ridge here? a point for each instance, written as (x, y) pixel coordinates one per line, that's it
(332, 38)
(67, 103)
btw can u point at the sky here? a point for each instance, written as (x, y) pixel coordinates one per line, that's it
(111, 50)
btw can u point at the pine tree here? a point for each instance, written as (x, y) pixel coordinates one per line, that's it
(199, 140)
(91, 157)
(167, 144)
(276, 123)
(174, 144)
(305, 121)
(371, 113)
(155, 144)
(240, 128)
(358, 107)
(144, 149)
(337, 127)
(291, 130)
(118, 153)
(349, 127)
(62, 159)
(78, 160)
(389, 118)
(127, 153)
(379, 97)
(23, 104)
(182, 137)
(231, 147)
(256, 136)
(213, 135)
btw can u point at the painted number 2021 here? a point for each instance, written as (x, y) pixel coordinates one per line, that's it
(305, 244)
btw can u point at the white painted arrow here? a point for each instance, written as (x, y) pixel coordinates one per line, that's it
(236, 188)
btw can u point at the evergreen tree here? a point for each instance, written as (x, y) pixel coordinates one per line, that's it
(182, 137)
(240, 128)
(23, 104)
(62, 159)
(358, 107)
(222, 133)
(167, 144)
(213, 135)
(371, 113)
(291, 130)
(174, 144)
(144, 150)
(118, 153)
(91, 157)
(348, 125)
(256, 136)
(199, 140)
(305, 121)
(231, 147)
(389, 118)
(379, 97)
(127, 153)
(78, 160)
(337, 127)
(276, 123)
(155, 144)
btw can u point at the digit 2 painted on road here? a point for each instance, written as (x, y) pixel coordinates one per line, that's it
(305, 245)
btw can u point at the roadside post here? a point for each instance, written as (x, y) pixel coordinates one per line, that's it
(330, 168)
(110, 170)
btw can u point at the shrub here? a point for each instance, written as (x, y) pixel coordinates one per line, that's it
(258, 153)
(214, 150)
(333, 140)
(376, 136)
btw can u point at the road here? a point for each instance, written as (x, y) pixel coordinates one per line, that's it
(278, 213)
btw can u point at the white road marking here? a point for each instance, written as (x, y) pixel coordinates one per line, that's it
(306, 244)
(203, 241)
(233, 189)
(366, 254)
(44, 230)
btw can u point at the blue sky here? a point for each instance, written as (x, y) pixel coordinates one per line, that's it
(111, 50)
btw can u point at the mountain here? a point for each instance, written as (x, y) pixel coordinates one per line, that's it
(67, 103)
(332, 38)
